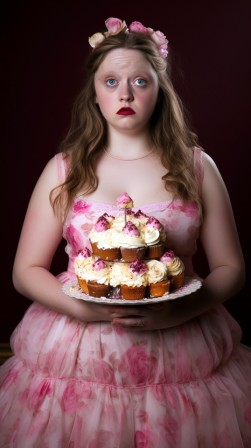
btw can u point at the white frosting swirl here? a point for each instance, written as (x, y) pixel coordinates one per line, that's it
(157, 271)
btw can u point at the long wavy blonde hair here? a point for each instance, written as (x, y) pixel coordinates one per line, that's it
(87, 135)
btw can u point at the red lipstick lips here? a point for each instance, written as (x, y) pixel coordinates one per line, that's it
(125, 111)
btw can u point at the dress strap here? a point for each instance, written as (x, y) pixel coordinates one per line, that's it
(198, 167)
(62, 166)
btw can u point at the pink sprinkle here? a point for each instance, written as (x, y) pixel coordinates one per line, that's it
(124, 201)
(130, 229)
(168, 256)
(154, 223)
(138, 266)
(85, 252)
(140, 214)
(98, 265)
(101, 225)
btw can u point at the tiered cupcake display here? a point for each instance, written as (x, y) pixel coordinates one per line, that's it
(128, 254)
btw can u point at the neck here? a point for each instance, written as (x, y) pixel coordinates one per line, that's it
(129, 158)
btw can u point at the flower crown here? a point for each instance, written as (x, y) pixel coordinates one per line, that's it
(116, 26)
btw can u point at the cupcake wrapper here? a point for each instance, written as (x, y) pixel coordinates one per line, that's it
(131, 254)
(177, 281)
(130, 293)
(155, 251)
(97, 289)
(83, 285)
(159, 289)
(108, 254)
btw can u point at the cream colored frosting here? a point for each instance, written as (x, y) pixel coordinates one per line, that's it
(122, 274)
(151, 236)
(83, 266)
(101, 276)
(157, 271)
(175, 267)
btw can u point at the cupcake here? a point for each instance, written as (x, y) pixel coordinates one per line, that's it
(132, 245)
(102, 239)
(175, 269)
(124, 201)
(134, 281)
(154, 236)
(98, 279)
(158, 283)
(82, 265)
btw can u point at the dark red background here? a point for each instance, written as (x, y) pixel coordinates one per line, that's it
(44, 45)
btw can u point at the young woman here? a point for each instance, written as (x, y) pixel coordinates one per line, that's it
(86, 374)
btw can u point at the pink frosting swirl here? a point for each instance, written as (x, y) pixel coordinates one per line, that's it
(108, 217)
(140, 214)
(98, 265)
(138, 266)
(124, 201)
(102, 224)
(154, 223)
(168, 256)
(85, 252)
(130, 229)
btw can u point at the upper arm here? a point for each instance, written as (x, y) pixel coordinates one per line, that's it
(42, 229)
(219, 235)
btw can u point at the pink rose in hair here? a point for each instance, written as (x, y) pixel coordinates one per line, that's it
(137, 27)
(161, 41)
(114, 26)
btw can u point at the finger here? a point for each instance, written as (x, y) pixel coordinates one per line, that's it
(129, 322)
(129, 310)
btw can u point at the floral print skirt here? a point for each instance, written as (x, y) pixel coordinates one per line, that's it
(76, 385)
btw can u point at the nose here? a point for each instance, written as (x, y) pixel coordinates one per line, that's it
(126, 93)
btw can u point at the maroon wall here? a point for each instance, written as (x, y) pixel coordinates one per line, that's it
(43, 49)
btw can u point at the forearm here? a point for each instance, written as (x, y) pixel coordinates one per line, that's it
(39, 285)
(220, 285)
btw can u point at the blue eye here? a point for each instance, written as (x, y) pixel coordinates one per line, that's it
(111, 82)
(140, 82)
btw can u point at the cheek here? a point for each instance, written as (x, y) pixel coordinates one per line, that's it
(148, 103)
(105, 103)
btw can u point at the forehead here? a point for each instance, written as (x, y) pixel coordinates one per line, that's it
(125, 59)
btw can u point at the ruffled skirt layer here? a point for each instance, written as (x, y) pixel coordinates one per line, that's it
(78, 385)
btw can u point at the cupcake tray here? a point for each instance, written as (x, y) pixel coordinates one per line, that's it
(72, 289)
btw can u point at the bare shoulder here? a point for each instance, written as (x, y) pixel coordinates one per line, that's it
(49, 177)
(213, 181)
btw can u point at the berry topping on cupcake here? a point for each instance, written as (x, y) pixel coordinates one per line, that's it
(102, 224)
(98, 265)
(168, 256)
(131, 229)
(153, 223)
(139, 214)
(138, 266)
(85, 253)
(124, 201)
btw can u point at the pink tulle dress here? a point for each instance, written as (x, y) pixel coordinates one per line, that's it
(72, 384)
